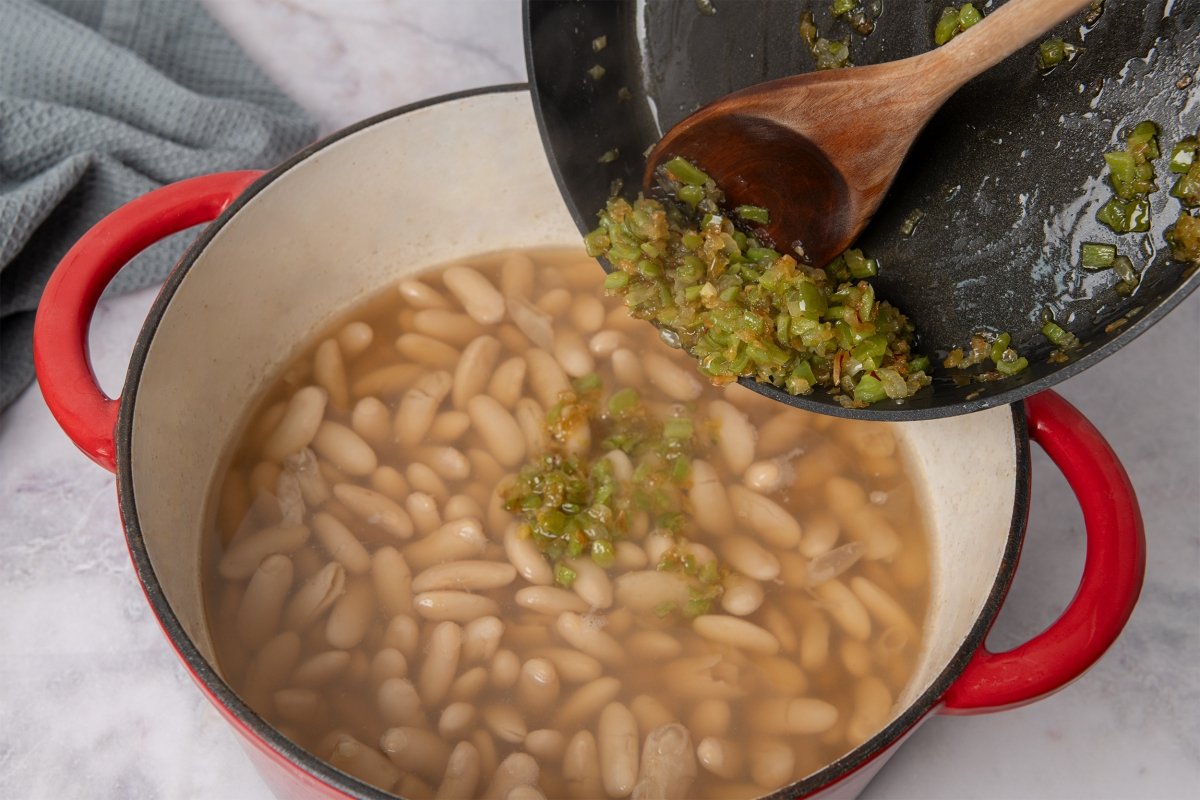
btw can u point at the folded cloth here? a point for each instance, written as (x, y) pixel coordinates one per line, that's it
(102, 101)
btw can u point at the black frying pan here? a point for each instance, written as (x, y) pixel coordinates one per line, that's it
(1009, 173)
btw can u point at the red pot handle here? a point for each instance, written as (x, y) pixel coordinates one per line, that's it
(1112, 572)
(60, 347)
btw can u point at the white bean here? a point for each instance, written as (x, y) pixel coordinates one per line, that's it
(505, 722)
(441, 663)
(245, 554)
(506, 668)
(646, 590)
(341, 544)
(393, 581)
(743, 596)
(416, 750)
(833, 563)
(710, 717)
(750, 558)
(461, 505)
(443, 605)
(845, 608)
(345, 448)
(765, 477)
(448, 462)
(469, 685)
(821, 531)
(617, 741)
(671, 379)
(651, 646)
(329, 371)
(300, 706)
(387, 663)
(456, 721)
(627, 367)
(591, 582)
(424, 479)
(371, 420)
(322, 669)
(537, 686)
(605, 343)
(710, 502)
(299, 423)
(585, 702)
(573, 355)
(772, 762)
(462, 773)
(449, 426)
(668, 764)
(451, 327)
(375, 508)
(420, 295)
(419, 406)
(456, 540)
(350, 616)
(736, 632)
(398, 702)
(587, 637)
(736, 436)
(883, 607)
(549, 600)
(872, 707)
(262, 604)
(546, 378)
(721, 757)
(387, 382)
(363, 762)
(650, 713)
(474, 369)
(426, 351)
(315, 597)
(390, 483)
(532, 422)
(545, 744)
(423, 511)
(507, 381)
(581, 767)
(587, 313)
(793, 716)
(500, 432)
(481, 639)
(355, 338)
(402, 634)
(478, 296)
(518, 769)
(516, 275)
(773, 523)
(525, 556)
(465, 576)
(572, 666)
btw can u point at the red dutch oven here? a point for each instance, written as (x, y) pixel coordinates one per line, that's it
(287, 250)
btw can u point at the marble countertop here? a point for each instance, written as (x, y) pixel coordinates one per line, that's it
(93, 703)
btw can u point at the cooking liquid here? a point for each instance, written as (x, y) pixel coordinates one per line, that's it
(338, 497)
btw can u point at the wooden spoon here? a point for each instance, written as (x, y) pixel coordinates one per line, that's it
(820, 150)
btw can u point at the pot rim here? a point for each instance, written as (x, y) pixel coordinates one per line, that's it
(218, 690)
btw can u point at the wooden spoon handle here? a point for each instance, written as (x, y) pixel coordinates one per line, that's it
(999, 35)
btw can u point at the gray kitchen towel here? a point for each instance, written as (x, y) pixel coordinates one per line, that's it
(102, 101)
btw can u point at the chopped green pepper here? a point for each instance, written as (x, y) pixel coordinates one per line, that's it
(1097, 256)
(954, 21)
(744, 309)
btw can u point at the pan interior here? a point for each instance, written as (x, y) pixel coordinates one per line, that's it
(1009, 175)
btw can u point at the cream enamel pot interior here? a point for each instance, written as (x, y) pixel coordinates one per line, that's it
(424, 185)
